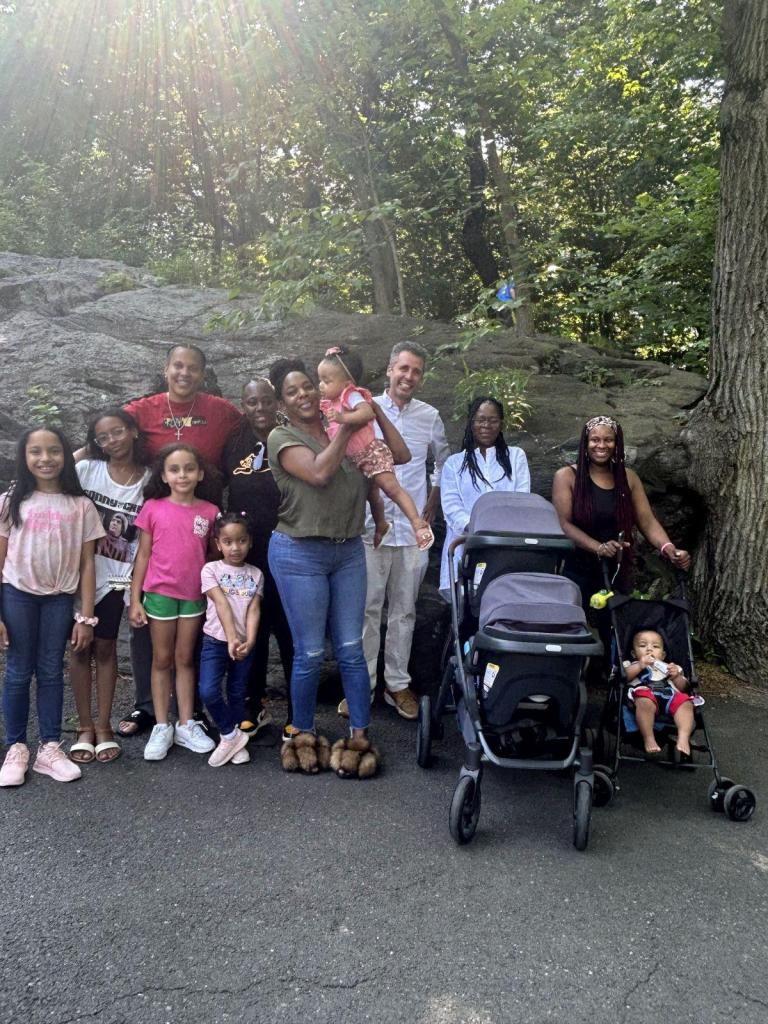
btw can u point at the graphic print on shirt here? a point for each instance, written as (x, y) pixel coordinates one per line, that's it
(117, 518)
(240, 584)
(252, 463)
(184, 421)
(200, 526)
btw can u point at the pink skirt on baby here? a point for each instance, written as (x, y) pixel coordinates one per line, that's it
(374, 458)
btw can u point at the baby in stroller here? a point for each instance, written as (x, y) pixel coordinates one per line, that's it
(659, 682)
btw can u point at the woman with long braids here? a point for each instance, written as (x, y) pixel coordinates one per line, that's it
(485, 463)
(600, 502)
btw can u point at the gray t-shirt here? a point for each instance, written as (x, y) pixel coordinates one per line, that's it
(335, 510)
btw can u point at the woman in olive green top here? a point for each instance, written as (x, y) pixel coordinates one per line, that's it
(317, 559)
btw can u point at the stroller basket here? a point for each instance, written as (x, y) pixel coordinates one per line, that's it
(510, 532)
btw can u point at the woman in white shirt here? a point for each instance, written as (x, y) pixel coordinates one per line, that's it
(485, 463)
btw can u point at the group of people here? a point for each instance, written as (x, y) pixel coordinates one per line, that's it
(236, 525)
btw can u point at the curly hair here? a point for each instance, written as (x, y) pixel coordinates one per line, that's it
(280, 369)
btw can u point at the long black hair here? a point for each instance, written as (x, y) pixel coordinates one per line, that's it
(140, 455)
(468, 443)
(24, 482)
(582, 492)
(156, 487)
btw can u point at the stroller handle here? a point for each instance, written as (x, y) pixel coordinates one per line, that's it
(457, 542)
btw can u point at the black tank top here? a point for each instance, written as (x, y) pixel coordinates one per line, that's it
(603, 526)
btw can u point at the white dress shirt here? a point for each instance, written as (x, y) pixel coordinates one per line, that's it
(458, 493)
(424, 433)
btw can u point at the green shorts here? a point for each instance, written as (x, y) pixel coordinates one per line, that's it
(158, 606)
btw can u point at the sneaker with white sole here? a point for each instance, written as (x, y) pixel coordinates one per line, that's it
(343, 708)
(159, 743)
(227, 749)
(51, 760)
(404, 702)
(15, 765)
(241, 757)
(193, 737)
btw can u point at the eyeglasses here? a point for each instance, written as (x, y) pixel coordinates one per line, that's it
(486, 421)
(115, 434)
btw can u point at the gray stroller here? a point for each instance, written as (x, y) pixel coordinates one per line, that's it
(519, 647)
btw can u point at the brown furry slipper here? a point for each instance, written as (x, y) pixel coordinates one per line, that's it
(306, 753)
(355, 758)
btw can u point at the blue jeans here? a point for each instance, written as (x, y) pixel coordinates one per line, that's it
(215, 664)
(322, 586)
(38, 631)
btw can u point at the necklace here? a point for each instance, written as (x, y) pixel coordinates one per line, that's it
(124, 483)
(180, 422)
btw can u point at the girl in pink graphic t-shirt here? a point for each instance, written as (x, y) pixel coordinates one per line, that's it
(174, 540)
(48, 532)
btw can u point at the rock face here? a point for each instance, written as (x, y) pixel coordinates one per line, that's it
(81, 334)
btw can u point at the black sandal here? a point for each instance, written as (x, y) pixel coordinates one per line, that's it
(137, 722)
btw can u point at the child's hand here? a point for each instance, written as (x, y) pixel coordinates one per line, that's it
(233, 648)
(381, 528)
(82, 636)
(4, 641)
(244, 649)
(332, 415)
(137, 616)
(646, 660)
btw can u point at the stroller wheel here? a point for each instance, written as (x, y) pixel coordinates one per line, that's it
(604, 789)
(739, 803)
(582, 814)
(424, 733)
(717, 793)
(465, 809)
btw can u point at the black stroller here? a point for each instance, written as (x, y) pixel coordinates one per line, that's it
(514, 668)
(616, 742)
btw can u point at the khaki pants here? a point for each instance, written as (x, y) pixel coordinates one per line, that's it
(395, 574)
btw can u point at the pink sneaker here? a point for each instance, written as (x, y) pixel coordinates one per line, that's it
(227, 749)
(15, 765)
(51, 760)
(241, 757)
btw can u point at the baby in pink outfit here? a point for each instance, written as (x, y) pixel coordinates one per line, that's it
(343, 401)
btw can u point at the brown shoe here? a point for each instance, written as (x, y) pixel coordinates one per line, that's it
(404, 702)
(343, 708)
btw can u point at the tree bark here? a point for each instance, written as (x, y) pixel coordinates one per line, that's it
(727, 435)
(477, 248)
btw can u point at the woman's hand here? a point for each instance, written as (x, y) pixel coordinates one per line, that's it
(82, 637)
(611, 548)
(680, 559)
(136, 615)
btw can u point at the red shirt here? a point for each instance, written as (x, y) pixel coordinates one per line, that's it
(206, 423)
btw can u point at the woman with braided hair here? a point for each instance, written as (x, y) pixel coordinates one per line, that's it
(485, 463)
(600, 502)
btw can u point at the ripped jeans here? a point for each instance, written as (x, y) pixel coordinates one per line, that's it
(322, 586)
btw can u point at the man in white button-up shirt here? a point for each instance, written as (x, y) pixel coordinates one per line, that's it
(396, 568)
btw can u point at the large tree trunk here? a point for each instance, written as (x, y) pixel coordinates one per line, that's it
(728, 432)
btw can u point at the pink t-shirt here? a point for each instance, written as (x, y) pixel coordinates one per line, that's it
(349, 399)
(179, 545)
(44, 552)
(240, 585)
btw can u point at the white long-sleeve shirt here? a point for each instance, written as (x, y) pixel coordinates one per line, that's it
(423, 431)
(458, 493)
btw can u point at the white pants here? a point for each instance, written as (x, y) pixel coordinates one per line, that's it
(394, 574)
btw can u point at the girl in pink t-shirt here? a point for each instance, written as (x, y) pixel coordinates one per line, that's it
(344, 402)
(174, 540)
(48, 532)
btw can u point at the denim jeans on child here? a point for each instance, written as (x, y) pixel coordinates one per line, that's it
(322, 585)
(38, 630)
(215, 664)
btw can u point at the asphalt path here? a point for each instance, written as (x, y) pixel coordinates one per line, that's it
(174, 892)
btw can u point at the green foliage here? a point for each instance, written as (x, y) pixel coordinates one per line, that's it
(595, 375)
(41, 405)
(117, 281)
(506, 385)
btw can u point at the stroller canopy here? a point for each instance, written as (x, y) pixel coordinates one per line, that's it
(532, 602)
(502, 512)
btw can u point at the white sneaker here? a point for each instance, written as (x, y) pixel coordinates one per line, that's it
(159, 743)
(192, 737)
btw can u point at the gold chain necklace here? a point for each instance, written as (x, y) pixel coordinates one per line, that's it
(180, 422)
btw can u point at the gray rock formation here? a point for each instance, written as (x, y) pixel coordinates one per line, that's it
(79, 334)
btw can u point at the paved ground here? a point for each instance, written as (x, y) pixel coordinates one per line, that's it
(175, 892)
